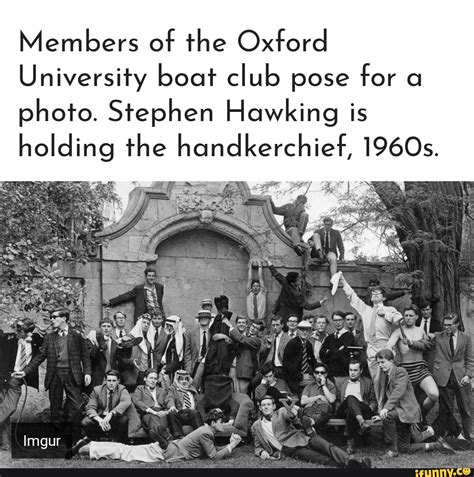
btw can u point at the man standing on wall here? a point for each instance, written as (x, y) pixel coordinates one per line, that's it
(148, 297)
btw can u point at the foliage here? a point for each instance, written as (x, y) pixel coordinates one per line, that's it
(41, 225)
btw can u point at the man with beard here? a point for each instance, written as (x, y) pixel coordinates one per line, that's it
(410, 342)
(275, 434)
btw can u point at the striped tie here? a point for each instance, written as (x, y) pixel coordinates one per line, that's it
(186, 400)
(23, 357)
(304, 360)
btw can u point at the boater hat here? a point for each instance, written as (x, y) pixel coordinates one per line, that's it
(304, 325)
(204, 314)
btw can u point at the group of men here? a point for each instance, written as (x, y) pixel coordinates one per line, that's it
(377, 365)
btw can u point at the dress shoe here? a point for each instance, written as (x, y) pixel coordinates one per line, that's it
(75, 448)
(367, 463)
(390, 454)
(350, 447)
(445, 447)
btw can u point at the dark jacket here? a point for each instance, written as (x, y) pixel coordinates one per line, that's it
(246, 353)
(78, 354)
(99, 362)
(335, 241)
(335, 359)
(290, 302)
(8, 352)
(366, 390)
(292, 358)
(139, 297)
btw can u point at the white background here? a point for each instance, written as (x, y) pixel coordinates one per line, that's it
(431, 37)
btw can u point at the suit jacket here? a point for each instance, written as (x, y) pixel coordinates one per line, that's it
(435, 325)
(282, 426)
(139, 297)
(335, 241)
(79, 360)
(159, 346)
(268, 354)
(175, 398)
(98, 401)
(8, 352)
(290, 302)
(337, 360)
(396, 392)
(292, 357)
(142, 399)
(172, 359)
(247, 354)
(99, 362)
(366, 390)
(195, 339)
(462, 363)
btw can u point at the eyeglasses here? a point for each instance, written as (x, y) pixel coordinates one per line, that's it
(320, 372)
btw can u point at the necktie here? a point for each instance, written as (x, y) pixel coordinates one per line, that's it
(372, 324)
(157, 335)
(204, 344)
(425, 327)
(326, 243)
(109, 404)
(22, 355)
(336, 335)
(255, 307)
(275, 351)
(186, 400)
(121, 333)
(304, 359)
(107, 356)
(451, 343)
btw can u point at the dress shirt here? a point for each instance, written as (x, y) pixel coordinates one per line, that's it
(353, 389)
(268, 431)
(276, 358)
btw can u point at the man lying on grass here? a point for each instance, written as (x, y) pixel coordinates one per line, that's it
(199, 443)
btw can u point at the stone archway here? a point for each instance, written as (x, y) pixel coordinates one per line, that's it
(197, 264)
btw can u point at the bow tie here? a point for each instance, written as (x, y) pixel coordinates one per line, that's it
(269, 419)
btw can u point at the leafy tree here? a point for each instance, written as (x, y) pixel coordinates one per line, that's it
(421, 224)
(41, 225)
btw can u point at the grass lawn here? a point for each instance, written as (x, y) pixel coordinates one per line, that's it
(243, 457)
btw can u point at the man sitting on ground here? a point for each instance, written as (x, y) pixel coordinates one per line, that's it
(275, 434)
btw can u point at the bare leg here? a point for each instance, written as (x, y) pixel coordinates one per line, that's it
(432, 394)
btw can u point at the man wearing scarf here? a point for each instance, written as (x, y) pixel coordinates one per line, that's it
(182, 401)
(177, 354)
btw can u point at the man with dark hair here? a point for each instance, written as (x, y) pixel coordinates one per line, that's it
(429, 325)
(273, 346)
(147, 297)
(152, 403)
(355, 403)
(199, 443)
(275, 434)
(256, 294)
(120, 330)
(68, 368)
(399, 409)
(319, 335)
(273, 386)
(335, 352)
(291, 300)
(105, 411)
(453, 370)
(16, 351)
(295, 220)
(410, 341)
(328, 244)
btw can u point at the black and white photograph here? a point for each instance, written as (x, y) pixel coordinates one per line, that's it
(267, 325)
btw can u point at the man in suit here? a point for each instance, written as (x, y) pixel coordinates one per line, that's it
(273, 346)
(16, 350)
(298, 360)
(453, 370)
(399, 409)
(355, 403)
(105, 411)
(319, 335)
(429, 326)
(200, 338)
(152, 403)
(247, 347)
(295, 220)
(275, 434)
(147, 297)
(158, 338)
(291, 301)
(199, 443)
(103, 351)
(328, 244)
(181, 401)
(68, 368)
(120, 330)
(334, 352)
